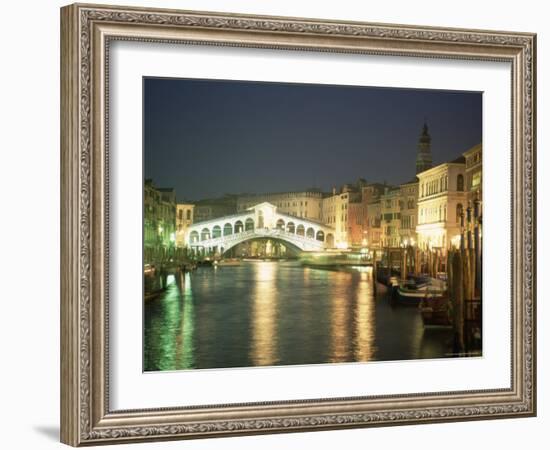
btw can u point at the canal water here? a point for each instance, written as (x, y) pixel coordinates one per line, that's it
(281, 313)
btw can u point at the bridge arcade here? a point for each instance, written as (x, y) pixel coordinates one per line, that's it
(260, 221)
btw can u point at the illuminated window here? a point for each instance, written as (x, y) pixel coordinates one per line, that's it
(476, 180)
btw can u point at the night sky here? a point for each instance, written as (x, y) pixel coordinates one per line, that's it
(207, 138)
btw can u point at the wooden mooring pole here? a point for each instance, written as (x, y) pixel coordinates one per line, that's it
(374, 272)
(458, 300)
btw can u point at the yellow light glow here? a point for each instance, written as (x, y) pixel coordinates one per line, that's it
(455, 240)
(264, 315)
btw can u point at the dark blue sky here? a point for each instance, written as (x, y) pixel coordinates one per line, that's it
(207, 138)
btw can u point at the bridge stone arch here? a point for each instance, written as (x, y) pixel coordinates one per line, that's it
(292, 246)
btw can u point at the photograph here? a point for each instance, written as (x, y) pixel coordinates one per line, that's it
(297, 224)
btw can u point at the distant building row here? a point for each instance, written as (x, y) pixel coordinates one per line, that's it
(425, 211)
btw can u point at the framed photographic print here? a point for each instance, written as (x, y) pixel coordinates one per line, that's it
(274, 224)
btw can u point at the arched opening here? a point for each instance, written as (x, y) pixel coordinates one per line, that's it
(227, 229)
(280, 225)
(290, 227)
(300, 231)
(249, 224)
(330, 240)
(216, 232)
(205, 234)
(310, 233)
(320, 236)
(239, 227)
(194, 237)
(262, 246)
(460, 183)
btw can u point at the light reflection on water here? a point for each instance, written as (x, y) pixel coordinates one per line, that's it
(280, 313)
(263, 351)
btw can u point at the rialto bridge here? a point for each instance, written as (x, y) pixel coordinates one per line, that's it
(261, 221)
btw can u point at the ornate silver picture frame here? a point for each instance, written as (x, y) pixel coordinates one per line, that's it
(87, 32)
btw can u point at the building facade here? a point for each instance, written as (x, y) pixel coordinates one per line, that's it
(441, 202)
(474, 180)
(184, 219)
(409, 212)
(357, 232)
(304, 204)
(373, 224)
(159, 221)
(209, 209)
(335, 213)
(390, 212)
(358, 218)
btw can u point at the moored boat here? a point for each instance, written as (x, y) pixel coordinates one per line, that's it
(414, 290)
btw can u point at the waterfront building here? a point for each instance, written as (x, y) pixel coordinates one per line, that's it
(159, 221)
(304, 204)
(442, 200)
(474, 181)
(373, 225)
(213, 208)
(474, 193)
(335, 213)
(409, 212)
(357, 233)
(424, 151)
(358, 227)
(184, 219)
(390, 211)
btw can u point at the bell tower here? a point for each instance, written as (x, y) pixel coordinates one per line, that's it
(424, 154)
